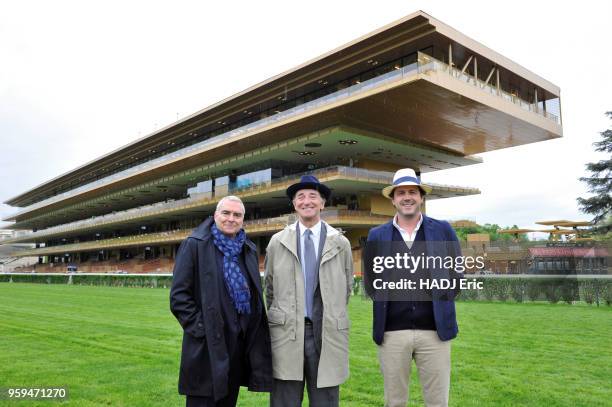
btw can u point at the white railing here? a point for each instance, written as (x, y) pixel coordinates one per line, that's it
(428, 63)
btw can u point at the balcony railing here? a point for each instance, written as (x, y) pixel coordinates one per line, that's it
(428, 63)
(331, 213)
(142, 212)
(335, 216)
(379, 177)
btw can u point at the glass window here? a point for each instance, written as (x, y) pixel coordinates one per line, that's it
(254, 178)
(554, 106)
(201, 188)
(222, 181)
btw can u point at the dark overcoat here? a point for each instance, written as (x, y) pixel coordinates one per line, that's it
(195, 302)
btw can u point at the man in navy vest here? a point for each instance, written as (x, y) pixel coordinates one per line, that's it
(419, 330)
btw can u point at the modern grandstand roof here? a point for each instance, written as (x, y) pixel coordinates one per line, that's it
(387, 43)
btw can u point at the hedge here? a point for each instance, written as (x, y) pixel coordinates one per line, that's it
(109, 280)
(591, 290)
(596, 290)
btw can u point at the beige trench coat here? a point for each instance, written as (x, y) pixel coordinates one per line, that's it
(284, 290)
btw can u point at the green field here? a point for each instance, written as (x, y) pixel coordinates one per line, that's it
(120, 347)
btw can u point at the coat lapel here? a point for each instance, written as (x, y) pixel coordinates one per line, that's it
(289, 240)
(388, 235)
(322, 240)
(331, 246)
(431, 236)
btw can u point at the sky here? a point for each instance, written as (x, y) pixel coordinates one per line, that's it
(80, 79)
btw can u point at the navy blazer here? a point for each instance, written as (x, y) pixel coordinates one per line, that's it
(444, 310)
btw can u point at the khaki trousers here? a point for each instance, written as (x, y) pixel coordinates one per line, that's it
(432, 358)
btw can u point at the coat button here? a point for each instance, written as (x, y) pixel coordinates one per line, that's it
(218, 336)
(199, 325)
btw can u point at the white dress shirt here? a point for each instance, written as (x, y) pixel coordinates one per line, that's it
(408, 237)
(316, 238)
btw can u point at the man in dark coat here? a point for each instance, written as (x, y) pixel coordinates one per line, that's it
(216, 297)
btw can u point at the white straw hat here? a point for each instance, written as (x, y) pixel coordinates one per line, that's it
(405, 176)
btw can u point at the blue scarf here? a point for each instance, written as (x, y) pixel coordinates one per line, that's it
(235, 282)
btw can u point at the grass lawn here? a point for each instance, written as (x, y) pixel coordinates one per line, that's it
(121, 347)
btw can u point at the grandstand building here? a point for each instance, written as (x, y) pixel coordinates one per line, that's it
(415, 93)
(9, 258)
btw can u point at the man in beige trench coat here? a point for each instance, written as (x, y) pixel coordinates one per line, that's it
(308, 281)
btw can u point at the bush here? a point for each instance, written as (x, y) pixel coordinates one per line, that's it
(568, 291)
(588, 291)
(534, 289)
(552, 292)
(357, 285)
(488, 291)
(607, 292)
(502, 289)
(517, 290)
(468, 295)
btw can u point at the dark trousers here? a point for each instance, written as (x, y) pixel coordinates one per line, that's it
(236, 371)
(289, 393)
(229, 401)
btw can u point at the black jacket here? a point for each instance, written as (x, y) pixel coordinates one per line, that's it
(195, 302)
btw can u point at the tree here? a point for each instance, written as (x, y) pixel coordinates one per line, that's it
(600, 184)
(491, 230)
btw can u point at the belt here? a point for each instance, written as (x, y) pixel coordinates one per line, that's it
(307, 321)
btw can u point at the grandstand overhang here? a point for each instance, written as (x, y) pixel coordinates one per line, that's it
(156, 184)
(436, 110)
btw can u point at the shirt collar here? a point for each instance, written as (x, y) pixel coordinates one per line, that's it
(316, 229)
(416, 229)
